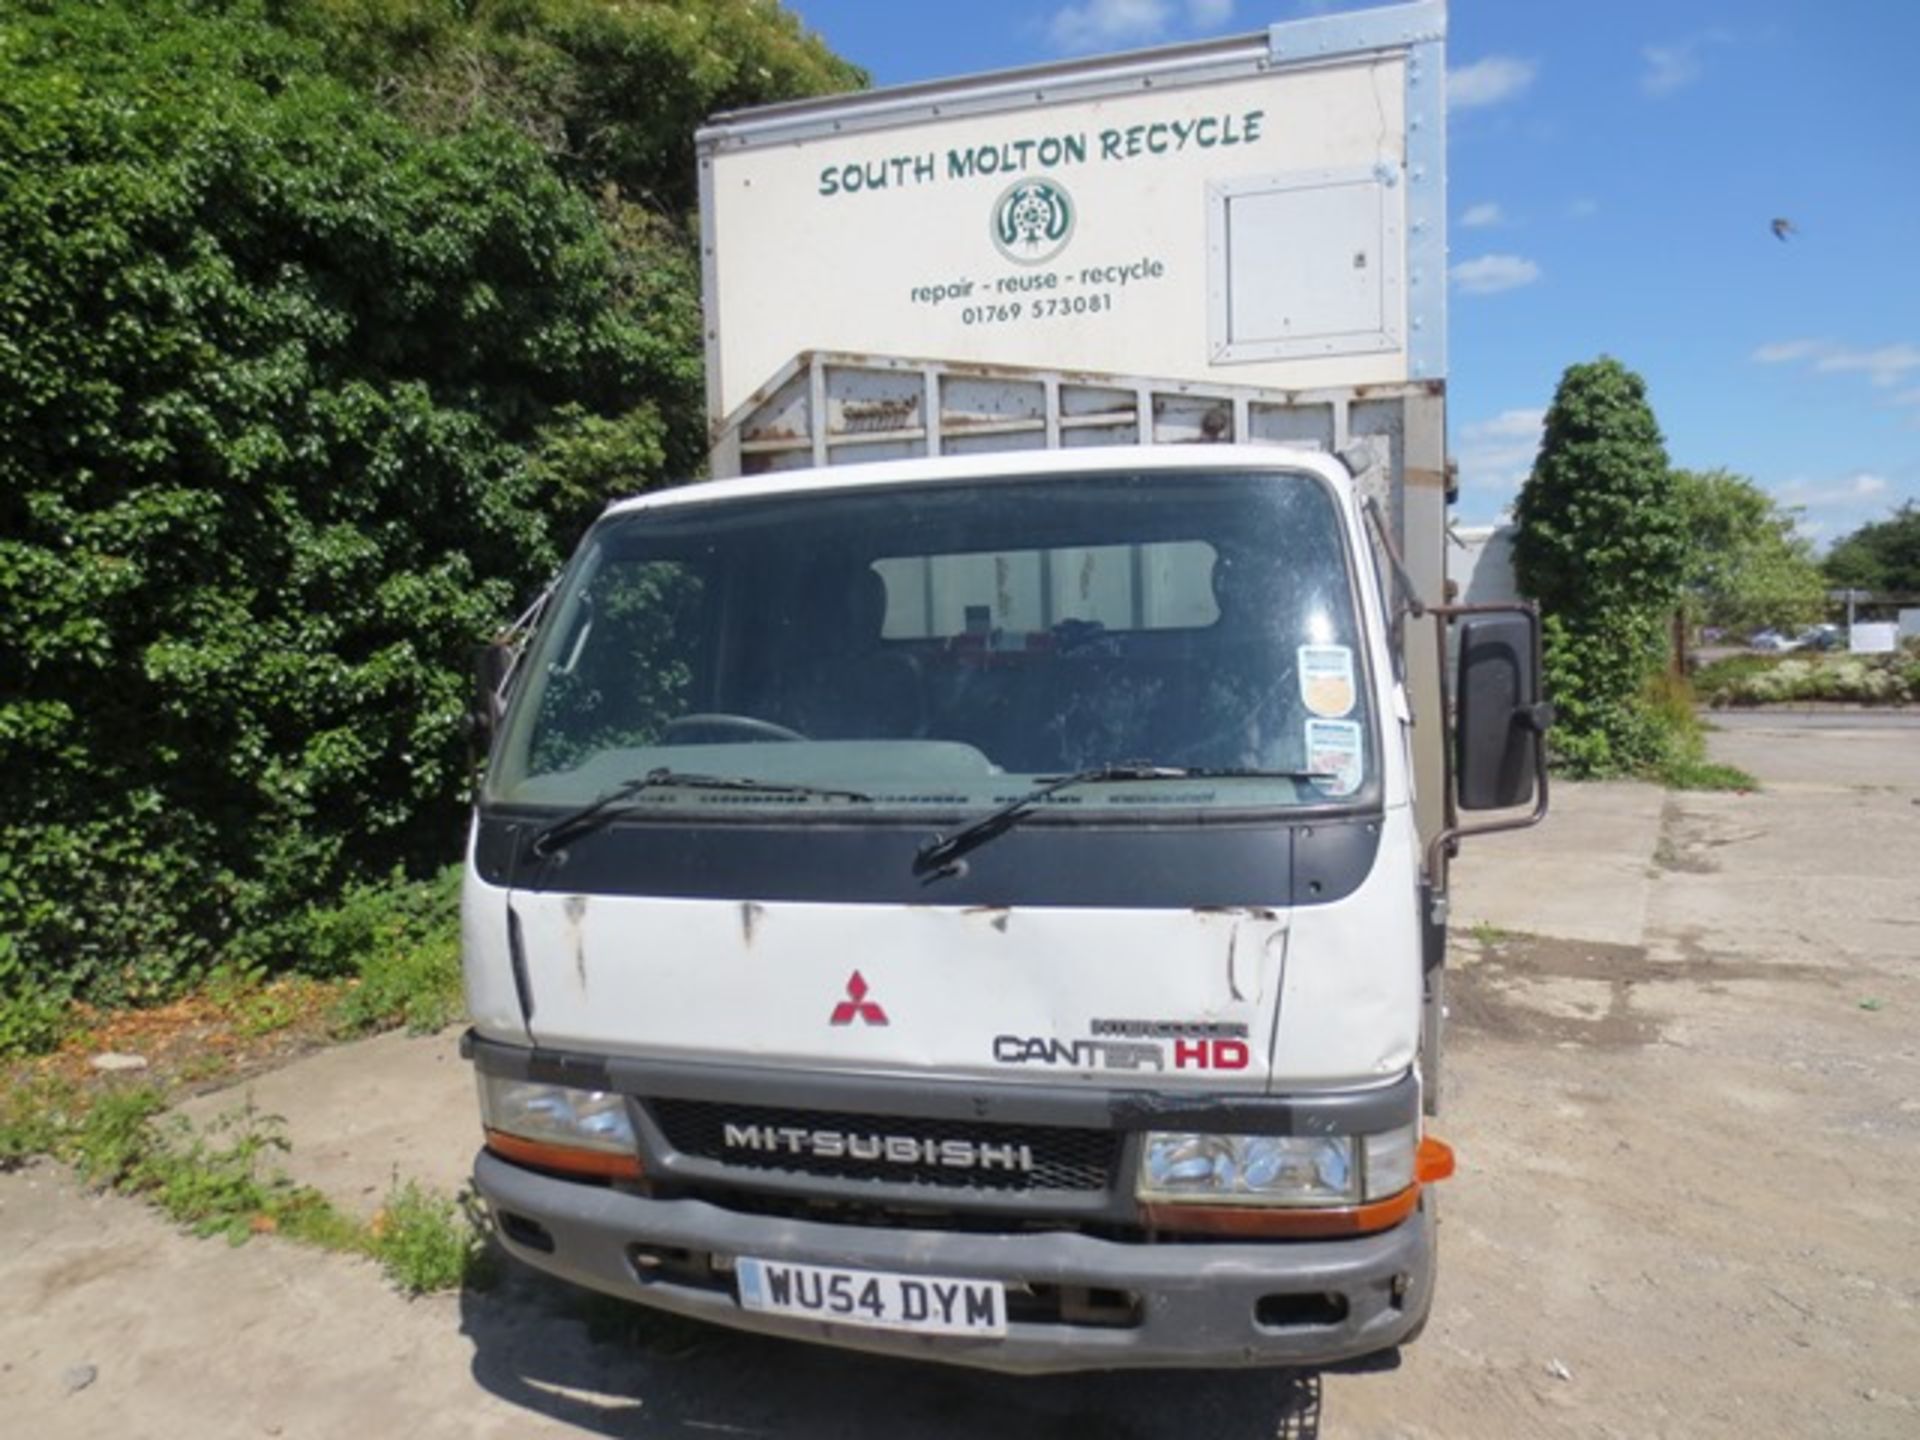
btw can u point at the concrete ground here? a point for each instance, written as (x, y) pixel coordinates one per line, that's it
(1684, 1084)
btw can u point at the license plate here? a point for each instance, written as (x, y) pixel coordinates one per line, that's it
(929, 1305)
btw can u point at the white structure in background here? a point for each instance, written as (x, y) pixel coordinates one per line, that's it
(1910, 624)
(1480, 563)
(1882, 637)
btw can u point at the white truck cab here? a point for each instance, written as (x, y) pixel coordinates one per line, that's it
(983, 906)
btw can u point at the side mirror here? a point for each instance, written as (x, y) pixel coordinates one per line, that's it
(492, 664)
(1500, 723)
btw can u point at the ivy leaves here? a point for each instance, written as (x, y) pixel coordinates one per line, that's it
(1602, 545)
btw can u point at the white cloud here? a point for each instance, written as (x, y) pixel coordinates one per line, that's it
(1670, 67)
(1673, 65)
(1507, 425)
(1489, 81)
(1478, 217)
(1108, 22)
(1104, 24)
(1906, 397)
(1825, 509)
(1779, 352)
(1496, 455)
(1490, 274)
(1858, 489)
(1884, 365)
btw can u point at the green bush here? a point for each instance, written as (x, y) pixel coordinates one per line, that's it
(402, 940)
(32, 1017)
(1599, 680)
(297, 401)
(1600, 543)
(1842, 679)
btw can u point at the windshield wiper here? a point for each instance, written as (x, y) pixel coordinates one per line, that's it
(936, 860)
(608, 807)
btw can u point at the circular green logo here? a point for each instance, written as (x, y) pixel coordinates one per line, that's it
(1032, 221)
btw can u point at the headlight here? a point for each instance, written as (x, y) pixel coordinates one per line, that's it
(1390, 1161)
(1302, 1170)
(552, 1125)
(1250, 1169)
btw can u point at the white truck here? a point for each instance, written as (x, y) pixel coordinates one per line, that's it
(971, 882)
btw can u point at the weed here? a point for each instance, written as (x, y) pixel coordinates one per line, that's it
(1488, 933)
(204, 1066)
(405, 942)
(216, 1188)
(425, 1241)
(418, 987)
(223, 1180)
(115, 1137)
(1682, 763)
(1686, 772)
(35, 1112)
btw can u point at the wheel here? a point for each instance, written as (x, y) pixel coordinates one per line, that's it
(731, 727)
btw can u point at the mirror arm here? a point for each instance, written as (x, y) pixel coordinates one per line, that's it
(1536, 717)
(1410, 604)
(490, 691)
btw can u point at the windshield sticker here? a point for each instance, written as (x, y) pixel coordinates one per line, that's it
(1333, 749)
(1326, 680)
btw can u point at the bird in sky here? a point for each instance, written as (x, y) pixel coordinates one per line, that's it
(1782, 228)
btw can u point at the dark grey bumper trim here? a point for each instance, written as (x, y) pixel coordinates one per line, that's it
(1198, 1300)
(1347, 1112)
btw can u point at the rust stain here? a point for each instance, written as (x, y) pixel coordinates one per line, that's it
(967, 420)
(750, 913)
(1248, 912)
(576, 913)
(997, 915)
(866, 416)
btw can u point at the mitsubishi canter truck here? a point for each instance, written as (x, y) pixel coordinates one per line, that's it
(970, 882)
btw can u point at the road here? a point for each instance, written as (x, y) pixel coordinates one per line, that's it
(1682, 1085)
(1795, 720)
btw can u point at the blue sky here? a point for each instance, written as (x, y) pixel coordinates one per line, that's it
(1614, 171)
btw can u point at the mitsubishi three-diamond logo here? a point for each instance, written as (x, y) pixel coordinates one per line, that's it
(857, 1006)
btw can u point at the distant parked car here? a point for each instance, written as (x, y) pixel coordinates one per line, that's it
(1771, 640)
(1825, 637)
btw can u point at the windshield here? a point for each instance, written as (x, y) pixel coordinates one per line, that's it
(938, 649)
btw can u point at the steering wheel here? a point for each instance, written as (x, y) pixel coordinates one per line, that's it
(739, 727)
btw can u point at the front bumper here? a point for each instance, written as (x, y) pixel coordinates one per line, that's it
(1298, 1303)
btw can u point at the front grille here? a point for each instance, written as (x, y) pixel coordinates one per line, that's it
(1062, 1159)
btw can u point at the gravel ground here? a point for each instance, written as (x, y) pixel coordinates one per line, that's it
(1682, 1083)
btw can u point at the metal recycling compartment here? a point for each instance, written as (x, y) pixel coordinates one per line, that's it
(1267, 212)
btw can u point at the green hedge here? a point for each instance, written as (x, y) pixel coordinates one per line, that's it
(1841, 679)
(296, 402)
